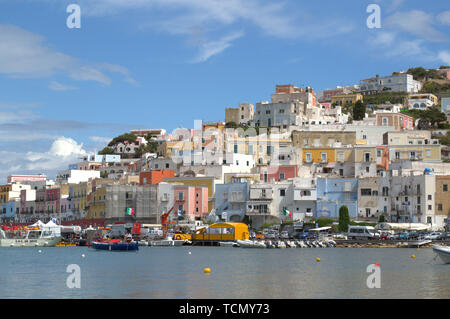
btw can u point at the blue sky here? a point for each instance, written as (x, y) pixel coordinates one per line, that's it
(165, 63)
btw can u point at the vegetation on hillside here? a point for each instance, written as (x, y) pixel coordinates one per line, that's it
(428, 119)
(121, 138)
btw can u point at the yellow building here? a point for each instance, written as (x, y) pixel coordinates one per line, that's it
(319, 155)
(97, 205)
(79, 193)
(234, 177)
(442, 195)
(344, 99)
(4, 193)
(365, 154)
(208, 181)
(430, 152)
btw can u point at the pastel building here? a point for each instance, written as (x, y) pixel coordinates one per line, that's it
(155, 176)
(397, 120)
(278, 173)
(332, 194)
(190, 202)
(231, 201)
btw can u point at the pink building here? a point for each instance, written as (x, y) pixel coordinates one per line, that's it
(278, 173)
(190, 201)
(398, 120)
(52, 197)
(26, 178)
(445, 73)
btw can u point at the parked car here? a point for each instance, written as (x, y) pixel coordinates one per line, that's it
(444, 236)
(433, 236)
(284, 235)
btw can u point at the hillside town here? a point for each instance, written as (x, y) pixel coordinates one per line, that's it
(379, 147)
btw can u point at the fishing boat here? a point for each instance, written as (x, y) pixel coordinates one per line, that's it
(29, 238)
(443, 252)
(115, 245)
(251, 244)
(228, 244)
(167, 242)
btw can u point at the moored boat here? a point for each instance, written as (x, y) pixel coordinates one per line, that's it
(251, 244)
(28, 238)
(443, 252)
(115, 245)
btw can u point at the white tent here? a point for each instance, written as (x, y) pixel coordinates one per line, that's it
(38, 224)
(53, 227)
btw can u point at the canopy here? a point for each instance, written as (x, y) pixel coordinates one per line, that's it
(320, 228)
(37, 224)
(51, 224)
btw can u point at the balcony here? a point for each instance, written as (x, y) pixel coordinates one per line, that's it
(253, 212)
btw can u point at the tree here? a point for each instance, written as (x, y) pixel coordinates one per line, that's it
(359, 111)
(121, 138)
(344, 219)
(106, 151)
(381, 219)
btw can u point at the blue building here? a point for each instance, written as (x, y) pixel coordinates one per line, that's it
(231, 201)
(9, 210)
(334, 193)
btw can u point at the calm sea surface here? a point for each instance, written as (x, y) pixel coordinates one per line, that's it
(171, 272)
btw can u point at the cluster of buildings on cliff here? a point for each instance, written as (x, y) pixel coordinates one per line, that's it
(296, 158)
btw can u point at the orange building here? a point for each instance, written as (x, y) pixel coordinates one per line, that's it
(155, 176)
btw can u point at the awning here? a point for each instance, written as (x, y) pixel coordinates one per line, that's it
(320, 228)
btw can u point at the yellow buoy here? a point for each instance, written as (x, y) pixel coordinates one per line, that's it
(318, 259)
(206, 270)
(413, 256)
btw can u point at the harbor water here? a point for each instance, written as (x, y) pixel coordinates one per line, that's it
(177, 272)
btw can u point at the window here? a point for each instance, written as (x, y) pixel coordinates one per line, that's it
(281, 177)
(445, 188)
(366, 192)
(323, 156)
(430, 197)
(397, 155)
(340, 156)
(308, 157)
(440, 207)
(235, 148)
(384, 121)
(430, 207)
(282, 192)
(180, 196)
(428, 152)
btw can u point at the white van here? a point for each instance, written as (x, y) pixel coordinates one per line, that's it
(362, 232)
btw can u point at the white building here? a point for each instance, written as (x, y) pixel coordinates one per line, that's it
(394, 83)
(72, 176)
(421, 101)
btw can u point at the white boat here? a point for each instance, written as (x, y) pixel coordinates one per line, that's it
(443, 252)
(228, 244)
(29, 238)
(251, 244)
(167, 242)
(418, 243)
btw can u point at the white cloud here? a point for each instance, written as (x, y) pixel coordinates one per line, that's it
(209, 49)
(56, 86)
(62, 152)
(444, 56)
(24, 54)
(444, 17)
(416, 22)
(100, 139)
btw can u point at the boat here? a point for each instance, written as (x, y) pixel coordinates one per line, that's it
(167, 242)
(115, 245)
(443, 252)
(29, 238)
(251, 244)
(228, 244)
(418, 243)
